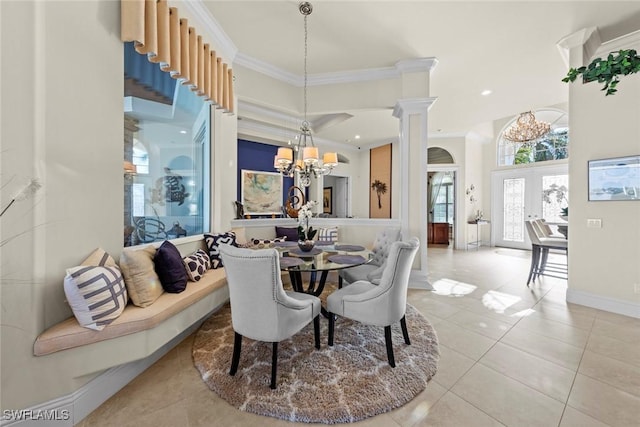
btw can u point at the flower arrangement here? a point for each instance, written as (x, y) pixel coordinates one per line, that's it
(26, 192)
(304, 231)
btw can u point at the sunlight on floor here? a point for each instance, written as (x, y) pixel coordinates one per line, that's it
(523, 313)
(498, 302)
(448, 287)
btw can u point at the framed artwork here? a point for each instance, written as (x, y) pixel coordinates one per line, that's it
(614, 179)
(327, 200)
(261, 192)
(380, 182)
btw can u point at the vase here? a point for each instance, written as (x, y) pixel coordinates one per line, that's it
(305, 245)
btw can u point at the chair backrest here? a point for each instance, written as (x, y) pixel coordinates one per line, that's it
(382, 245)
(543, 228)
(395, 278)
(531, 230)
(255, 286)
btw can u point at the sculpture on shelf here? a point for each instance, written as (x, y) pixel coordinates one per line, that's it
(294, 200)
(239, 210)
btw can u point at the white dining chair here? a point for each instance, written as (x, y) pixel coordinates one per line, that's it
(379, 305)
(372, 271)
(260, 308)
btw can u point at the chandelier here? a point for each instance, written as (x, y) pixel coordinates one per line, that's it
(304, 159)
(526, 128)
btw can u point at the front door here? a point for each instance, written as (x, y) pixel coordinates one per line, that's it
(526, 193)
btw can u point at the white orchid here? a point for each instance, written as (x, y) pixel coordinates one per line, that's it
(304, 214)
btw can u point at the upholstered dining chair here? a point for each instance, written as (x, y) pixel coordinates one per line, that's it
(541, 243)
(372, 271)
(379, 305)
(260, 308)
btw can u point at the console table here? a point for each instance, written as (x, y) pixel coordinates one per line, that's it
(474, 232)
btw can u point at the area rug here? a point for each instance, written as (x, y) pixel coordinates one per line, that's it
(348, 382)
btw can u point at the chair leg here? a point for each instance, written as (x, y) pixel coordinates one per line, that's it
(534, 262)
(316, 330)
(405, 332)
(332, 322)
(339, 282)
(543, 261)
(235, 359)
(387, 338)
(274, 365)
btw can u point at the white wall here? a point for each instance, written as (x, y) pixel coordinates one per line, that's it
(604, 262)
(62, 122)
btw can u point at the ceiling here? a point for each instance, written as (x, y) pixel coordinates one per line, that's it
(507, 47)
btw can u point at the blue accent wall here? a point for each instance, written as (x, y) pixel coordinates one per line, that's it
(258, 157)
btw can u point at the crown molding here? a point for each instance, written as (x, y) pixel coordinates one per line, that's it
(628, 41)
(269, 70)
(413, 106)
(264, 111)
(587, 38)
(338, 77)
(417, 64)
(220, 41)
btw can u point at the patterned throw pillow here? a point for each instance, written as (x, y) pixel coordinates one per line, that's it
(96, 293)
(264, 243)
(215, 240)
(99, 257)
(170, 269)
(196, 264)
(328, 234)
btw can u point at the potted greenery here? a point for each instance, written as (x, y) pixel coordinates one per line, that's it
(607, 71)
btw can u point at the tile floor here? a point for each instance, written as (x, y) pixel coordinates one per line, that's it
(510, 356)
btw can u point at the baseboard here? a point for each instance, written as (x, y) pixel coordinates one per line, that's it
(418, 280)
(600, 302)
(69, 410)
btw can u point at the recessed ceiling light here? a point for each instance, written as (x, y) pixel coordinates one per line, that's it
(485, 92)
(183, 131)
(357, 137)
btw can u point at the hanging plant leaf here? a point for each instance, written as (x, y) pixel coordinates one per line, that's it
(607, 71)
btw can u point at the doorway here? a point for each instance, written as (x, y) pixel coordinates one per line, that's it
(441, 200)
(524, 194)
(339, 185)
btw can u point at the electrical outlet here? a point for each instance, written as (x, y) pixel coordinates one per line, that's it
(594, 223)
(636, 288)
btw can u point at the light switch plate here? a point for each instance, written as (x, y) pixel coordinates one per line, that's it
(594, 223)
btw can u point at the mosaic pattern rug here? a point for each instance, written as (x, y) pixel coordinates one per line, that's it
(348, 382)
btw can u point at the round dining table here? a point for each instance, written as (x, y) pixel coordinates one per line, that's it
(322, 259)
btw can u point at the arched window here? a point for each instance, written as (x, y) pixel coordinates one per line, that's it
(552, 146)
(437, 155)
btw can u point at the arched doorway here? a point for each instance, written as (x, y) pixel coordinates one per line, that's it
(441, 198)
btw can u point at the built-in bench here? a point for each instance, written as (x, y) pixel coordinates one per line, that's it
(69, 334)
(137, 332)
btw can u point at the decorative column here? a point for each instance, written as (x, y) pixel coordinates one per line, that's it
(413, 139)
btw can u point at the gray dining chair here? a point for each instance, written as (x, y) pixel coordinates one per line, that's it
(540, 247)
(372, 271)
(379, 305)
(260, 308)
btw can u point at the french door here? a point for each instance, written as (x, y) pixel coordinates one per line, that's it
(522, 194)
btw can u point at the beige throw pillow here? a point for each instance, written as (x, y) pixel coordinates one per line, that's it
(143, 284)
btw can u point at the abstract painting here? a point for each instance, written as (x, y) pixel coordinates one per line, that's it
(261, 192)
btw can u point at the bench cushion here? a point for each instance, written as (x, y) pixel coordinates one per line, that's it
(69, 334)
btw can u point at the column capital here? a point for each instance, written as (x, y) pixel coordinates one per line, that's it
(413, 106)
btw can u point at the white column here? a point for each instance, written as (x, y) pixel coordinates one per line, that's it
(413, 140)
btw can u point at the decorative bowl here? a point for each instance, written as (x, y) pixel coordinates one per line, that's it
(305, 245)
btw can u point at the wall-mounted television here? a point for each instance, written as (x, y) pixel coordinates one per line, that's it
(614, 179)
